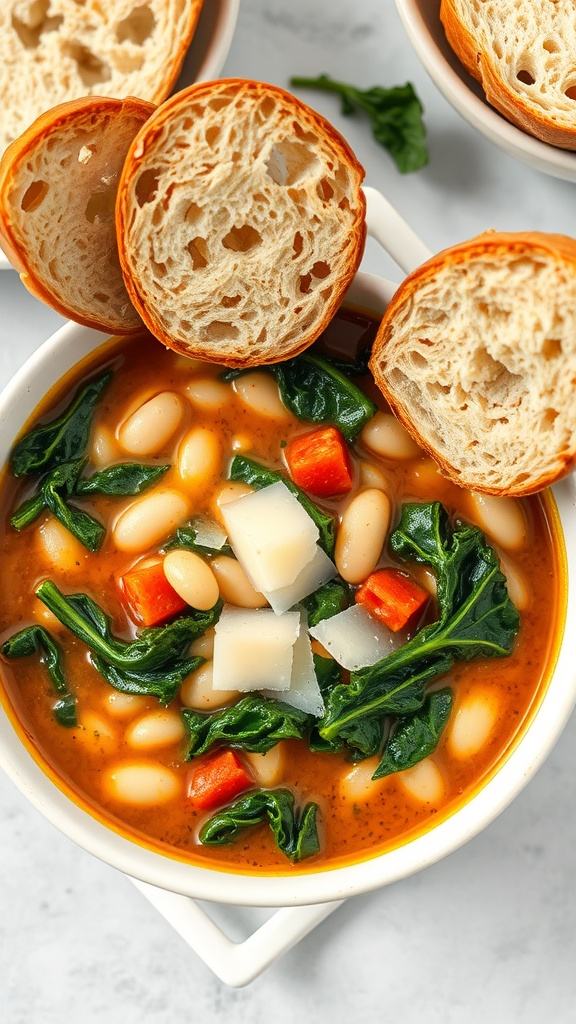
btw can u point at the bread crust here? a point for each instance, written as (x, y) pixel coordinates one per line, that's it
(154, 147)
(457, 460)
(52, 133)
(508, 101)
(54, 52)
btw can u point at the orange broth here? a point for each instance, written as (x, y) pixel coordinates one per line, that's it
(388, 814)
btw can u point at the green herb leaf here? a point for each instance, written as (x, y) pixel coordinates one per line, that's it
(314, 389)
(188, 537)
(37, 640)
(53, 495)
(296, 836)
(395, 115)
(156, 661)
(64, 439)
(260, 476)
(122, 480)
(416, 736)
(477, 620)
(327, 601)
(255, 724)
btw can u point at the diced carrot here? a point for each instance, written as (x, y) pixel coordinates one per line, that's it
(392, 597)
(218, 780)
(149, 596)
(320, 463)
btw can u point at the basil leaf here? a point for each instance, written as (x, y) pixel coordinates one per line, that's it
(122, 480)
(314, 389)
(477, 619)
(395, 114)
(65, 438)
(37, 640)
(259, 476)
(255, 724)
(416, 736)
(296, 836)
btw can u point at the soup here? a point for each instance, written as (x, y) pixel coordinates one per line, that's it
(148, 615)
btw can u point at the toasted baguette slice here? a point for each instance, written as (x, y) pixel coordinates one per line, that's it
(57, 50)
(57, 195)
(522, 52)
(476, 356)
(240, 222)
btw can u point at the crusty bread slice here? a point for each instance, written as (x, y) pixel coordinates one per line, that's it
(240, 222)
(476, 356)
(522, 53)
(57, 196)
(57, 50)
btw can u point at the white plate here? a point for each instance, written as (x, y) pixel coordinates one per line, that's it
(422, 23)
(206, 56)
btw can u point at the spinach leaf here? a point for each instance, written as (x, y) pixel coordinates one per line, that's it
(37, 640)
(326, 601)
(329, 675)
(255, 724)
(156, 660)
(314, 389)
(395, 114)
(122, 480)
(416, 736)
(295, 835)
(53, 495)
(65, 438)
(477, 620)
(188, 536)
(259, 476)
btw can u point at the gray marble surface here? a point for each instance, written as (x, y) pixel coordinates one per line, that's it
(487, 934)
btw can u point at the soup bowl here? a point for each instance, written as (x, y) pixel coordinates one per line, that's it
(39, 783)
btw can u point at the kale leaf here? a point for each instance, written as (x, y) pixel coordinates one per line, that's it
(416, 736)
(255, 724)
(296, 834)
(314, 389)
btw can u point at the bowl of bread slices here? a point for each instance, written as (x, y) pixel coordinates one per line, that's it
(507, 69)
(228, 225)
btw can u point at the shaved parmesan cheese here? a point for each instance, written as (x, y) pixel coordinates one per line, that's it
(273, 537)
(209, 533)
(304, 692)
(253, 649)
(354, 638)
(314, 575)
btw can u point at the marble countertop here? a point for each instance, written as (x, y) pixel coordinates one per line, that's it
(488, 933)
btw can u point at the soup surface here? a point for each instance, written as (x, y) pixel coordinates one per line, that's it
(147, 763)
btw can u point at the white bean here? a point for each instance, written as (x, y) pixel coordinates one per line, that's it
(157, 729)
(241, 443)
(357, 783)
(501, 518)
(208, 393)
(103, 447)
(471, 724)
(259, 392)
(361, 534)
(149, 520)
(516, 584)
(199, 457)
(95, 734)
(372, 476)
(192, 579)
(60, 547)
(197, 691)
(268, 768)
(141, 783)
(230, 491)
(423, 782)
(235, 587)
(148, 430)
(124, 705)
(204, 645)
(385, 436)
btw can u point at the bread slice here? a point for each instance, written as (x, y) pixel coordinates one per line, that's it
(240, 222)
(57, 50)
(522, 52)
(57, 196)
(476, 356)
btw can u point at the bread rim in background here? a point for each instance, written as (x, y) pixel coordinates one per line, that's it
(60, 50)
(58, 186)
(240, 222)
(476, 356)
(522, 53)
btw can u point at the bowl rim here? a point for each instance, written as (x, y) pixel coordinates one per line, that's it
(457, 87)
(43, 369)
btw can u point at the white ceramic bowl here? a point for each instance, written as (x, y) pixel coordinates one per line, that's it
(206, 55)
(48, 364)
(421, 20)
